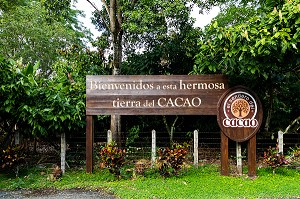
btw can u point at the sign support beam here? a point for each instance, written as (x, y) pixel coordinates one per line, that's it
(89, 143)
(224, 155)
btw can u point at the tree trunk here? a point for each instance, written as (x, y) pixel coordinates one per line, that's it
(171, 129)
(269, 113)
(115, 18)
(116, 34)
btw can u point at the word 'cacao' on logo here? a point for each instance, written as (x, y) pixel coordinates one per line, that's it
(236, 122)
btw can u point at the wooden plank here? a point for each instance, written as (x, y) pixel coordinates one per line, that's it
(224, 155)
(154, 94)
(252, 157)
(89, 143)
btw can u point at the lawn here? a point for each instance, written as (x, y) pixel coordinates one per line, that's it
(203, 182)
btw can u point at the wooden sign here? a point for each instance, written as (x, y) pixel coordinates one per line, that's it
(154, 94)
(239, 116)
(239, 113)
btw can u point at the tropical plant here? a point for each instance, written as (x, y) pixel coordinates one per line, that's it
(170, 161)
(12, 157)
(274, 158)
(113, 158)
(294, 156)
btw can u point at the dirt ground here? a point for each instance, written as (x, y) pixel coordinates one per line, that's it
(56, 194)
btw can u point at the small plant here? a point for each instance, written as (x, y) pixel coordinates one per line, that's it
(141, 166)
(274, 158)
(11, 157)
(56, 173)
(112, 158)
(170, 161)
(294, 156)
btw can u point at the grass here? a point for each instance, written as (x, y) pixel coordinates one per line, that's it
(203, 182)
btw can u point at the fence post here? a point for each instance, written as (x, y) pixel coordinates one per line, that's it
(280, 142)
(109, 136)
(153, 148)
(63, 152)
(196, 144)
(239, 158)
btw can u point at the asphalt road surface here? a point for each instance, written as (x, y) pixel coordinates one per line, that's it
(56, 194)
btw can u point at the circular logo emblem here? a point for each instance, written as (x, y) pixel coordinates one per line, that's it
(240, 105)
(239, 113)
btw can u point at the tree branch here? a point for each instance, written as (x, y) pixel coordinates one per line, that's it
(99, 11)
(294, 122)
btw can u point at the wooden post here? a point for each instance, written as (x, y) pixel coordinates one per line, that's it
(239, 158)
(196, 155)
(224, 155)
(252, 157)
(63, 152)
(153, 148)
(89, 143)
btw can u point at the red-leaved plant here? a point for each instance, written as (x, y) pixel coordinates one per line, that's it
(113, 158)
(11, 157)
(274, 158)
(170, 161)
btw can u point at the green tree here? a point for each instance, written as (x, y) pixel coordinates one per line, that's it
(6, 5)
(262, 52)
(26, 32)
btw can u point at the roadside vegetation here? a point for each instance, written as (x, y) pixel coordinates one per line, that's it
(202, 182)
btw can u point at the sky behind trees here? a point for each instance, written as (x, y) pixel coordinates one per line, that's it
(201, 19)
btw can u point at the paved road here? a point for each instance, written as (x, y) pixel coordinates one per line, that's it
(55, 194)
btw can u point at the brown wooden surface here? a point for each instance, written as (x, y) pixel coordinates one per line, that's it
(99, 99)
(252, 157)
(224, 155)
(239, 134)
(89, 143)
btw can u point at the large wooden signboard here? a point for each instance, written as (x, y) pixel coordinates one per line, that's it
(150, 95)
(154, 95)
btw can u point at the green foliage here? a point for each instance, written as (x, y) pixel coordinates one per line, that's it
(274, 158)
(11, 157)
(170, 161)
(26, 33)
(262, 53)
(203, 182)
(294, 156)
(133, 134)
(113, 158)
(263, 46)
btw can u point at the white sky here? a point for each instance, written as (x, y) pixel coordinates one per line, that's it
(201, 20)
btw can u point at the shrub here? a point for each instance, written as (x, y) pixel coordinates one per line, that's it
(11, 157)
(294, 156)
(113, 158)
(170, 161)
(141, 166)
(274, 158)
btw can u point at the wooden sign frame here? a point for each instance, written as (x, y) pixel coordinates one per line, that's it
(240, 116)
(149, 95)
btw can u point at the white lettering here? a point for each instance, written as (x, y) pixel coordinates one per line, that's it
(240, 122)
(179, 102)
